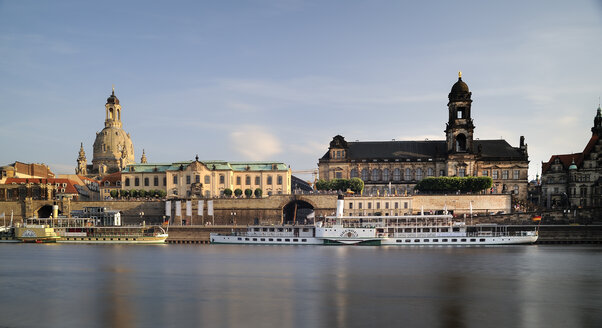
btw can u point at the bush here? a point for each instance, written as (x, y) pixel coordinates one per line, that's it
(248, 193)
(124, 193)
(453, 184)
(228, 192)
(237, 192)
(134, 193)
(114, 193)
(142, 193)
(258, 192)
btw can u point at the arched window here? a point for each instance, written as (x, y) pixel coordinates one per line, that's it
(247, 180)
(222, 179)
(397, 174)
(257, 180)
(208, 179)
(385, 174)
(418, 174)
(156, 181)
(107, 183)
(136, 182)
(353, 173)
(270, 179)
(238, 180)
(146, 182)
(375, 175)
(279, 179)
(365, 174)
(408, 175)
(430, 172)
(460, 142)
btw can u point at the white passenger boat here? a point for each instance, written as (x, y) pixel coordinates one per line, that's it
(407, 230)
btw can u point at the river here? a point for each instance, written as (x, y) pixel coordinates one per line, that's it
(56, 285)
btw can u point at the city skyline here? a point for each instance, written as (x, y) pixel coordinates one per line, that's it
(276, 80)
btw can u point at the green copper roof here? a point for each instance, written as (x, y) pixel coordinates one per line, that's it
(211, 165)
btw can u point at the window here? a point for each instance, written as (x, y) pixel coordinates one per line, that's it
(405, 205)
(247, 180)
(396, 175)
(156, 181)
(136, 182)
(418, 174)
(378, 205)
(165, 181)
(386, 175)
(494, 174)
(146, 182)
(279, 179)
(257, 180)
(515, 189)
(430, 172)
(269, 179)
(107, 183)
(188, 179)
(350, 205)
(441, 173)
(505, 174)
(222, 179)
(461, 172)
(127, 182)
(207, 179)
(396, 205)
(516, 174)
(238, 180)
(369, 205)
(365, 174)
(359, 205)
(485, 173)
(408, 175)
(375, 175)
(338, 175)
(175, 179)
(197, 179)
(338, 154)
(353, 173)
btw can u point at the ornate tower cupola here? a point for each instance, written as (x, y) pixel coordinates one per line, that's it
(113, 109)
(81, 162)
(143, 158)
(597, 129)
(460, 128)
(338, 148)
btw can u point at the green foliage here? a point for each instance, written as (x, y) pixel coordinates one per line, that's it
(248, 192)
(356, 185)
(228, 192)
(124, 193)
(258, 192)
(142, 193)
(453, 184)
(134, 193)
(237, 192)
(114, 193)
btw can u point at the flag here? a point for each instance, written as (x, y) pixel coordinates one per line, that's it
(178, 208)
(537, 218)
(210, 207)
(188, 208)
(201, 207)
(168, 208)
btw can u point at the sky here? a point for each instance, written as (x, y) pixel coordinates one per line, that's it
(275, 80)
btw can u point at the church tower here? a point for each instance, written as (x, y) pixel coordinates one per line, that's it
(460, 128)
(81, 162)
(597, 128)
(143, 158)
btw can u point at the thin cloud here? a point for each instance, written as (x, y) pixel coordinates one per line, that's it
(253, 142)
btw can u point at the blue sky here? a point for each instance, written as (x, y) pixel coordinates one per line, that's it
(276, 80)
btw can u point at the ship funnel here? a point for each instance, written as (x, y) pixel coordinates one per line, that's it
(55, 211)
(340, 206)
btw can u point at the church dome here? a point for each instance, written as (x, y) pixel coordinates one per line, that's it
(113, 98)
(460, 87)
(111, 145)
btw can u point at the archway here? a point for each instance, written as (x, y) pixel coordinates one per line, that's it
(45, 211)
(297, 212)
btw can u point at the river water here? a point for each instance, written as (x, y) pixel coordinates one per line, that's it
(299, 286)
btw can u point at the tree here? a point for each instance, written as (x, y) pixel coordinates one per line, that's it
(258, 192)
(114, 193)
(228, 192)
(356, 185)
(453, 184)
(134, 193)
(142, 193)
(248, 193)
(161, 193)
(237, 192)
(125, 193)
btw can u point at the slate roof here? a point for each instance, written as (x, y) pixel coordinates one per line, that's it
(424, 150)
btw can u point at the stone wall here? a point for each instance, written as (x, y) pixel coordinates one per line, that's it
(460, 204)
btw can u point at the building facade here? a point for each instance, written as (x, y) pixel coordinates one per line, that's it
(575, 180)
(207, 178)
(395, 167)
(113, 147)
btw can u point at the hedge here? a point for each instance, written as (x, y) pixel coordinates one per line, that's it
(355, 184)
(452, 184)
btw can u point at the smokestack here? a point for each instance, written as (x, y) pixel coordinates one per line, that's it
(55, 211)
(340, 206)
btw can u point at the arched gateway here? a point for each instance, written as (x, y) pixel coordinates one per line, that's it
(297, 211)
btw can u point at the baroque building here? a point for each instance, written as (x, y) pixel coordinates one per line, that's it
(207, 178)
(395, 167)
(113, 149)
(575, 180)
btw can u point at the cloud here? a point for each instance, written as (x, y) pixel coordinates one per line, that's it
(254, 142)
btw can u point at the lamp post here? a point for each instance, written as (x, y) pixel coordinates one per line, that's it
(233, 218)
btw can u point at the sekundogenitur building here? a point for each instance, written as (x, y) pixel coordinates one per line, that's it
(395, 167)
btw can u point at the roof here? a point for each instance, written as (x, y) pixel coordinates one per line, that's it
(111, 178)
(210, 164)
(69, 189)
(567, 159)
(424, 150)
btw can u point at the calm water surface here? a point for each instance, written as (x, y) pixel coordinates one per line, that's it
(299, 286)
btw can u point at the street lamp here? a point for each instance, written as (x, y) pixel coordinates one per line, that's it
(233, 218)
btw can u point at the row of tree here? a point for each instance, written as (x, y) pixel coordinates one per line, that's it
(248, 192)
(138, 193)
(453, 184)
(354, 184)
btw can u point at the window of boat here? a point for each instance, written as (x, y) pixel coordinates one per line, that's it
(463, 239)
(304, 240)
(473, 240)
(456, 229)
(454, 240)
(416, 240)
(444, 240)
(407, 230)
(398, 241)
(265, 229)
(262, 239)
(408, 241)
(444, 229)
(254, 239)
(435, 240)
(247, 239)
(256, 229)
(279, 229)
(426, 240)
(239, 238)
(426, 230)
(482, 240)
(295, 240)
(287, 239)
(271, 229)
(305, 229)
(279, 239)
